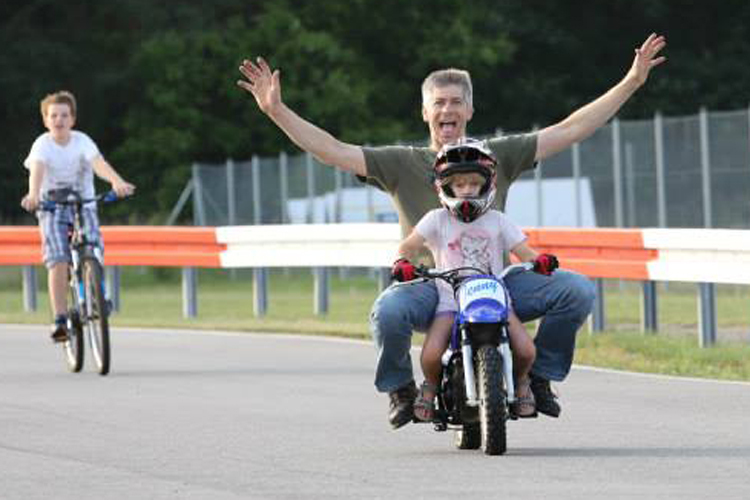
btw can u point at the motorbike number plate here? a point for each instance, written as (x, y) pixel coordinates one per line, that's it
(481, 288)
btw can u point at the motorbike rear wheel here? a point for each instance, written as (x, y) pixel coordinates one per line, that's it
(492, 400)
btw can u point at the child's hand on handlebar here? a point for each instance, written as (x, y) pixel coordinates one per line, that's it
(545, 263)
(403, 270)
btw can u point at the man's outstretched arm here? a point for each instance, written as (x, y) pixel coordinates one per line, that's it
(265, 86)
(586, 120)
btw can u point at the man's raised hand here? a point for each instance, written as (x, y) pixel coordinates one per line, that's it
(264, 84)
(646, 58)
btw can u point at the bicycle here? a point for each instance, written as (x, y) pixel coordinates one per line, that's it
(88, 308)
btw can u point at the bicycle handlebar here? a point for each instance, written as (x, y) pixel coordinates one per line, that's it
(73, 199)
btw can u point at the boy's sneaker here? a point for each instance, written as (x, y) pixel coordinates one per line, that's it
(60, 329)
(545, 399)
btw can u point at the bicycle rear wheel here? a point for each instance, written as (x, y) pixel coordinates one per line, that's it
(96, 322)
(73, 347)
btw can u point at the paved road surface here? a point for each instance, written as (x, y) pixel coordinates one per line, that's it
(189, 415)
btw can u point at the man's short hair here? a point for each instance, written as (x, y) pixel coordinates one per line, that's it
(445, 77)
(59, 97)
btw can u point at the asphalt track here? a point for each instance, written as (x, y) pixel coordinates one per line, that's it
(216, 415)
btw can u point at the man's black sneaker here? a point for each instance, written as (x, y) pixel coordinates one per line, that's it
(59, 330)
(402, 405)
(545, 399)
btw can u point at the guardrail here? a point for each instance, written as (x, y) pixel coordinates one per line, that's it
(703, 256)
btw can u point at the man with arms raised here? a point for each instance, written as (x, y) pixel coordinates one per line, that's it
(563, 300)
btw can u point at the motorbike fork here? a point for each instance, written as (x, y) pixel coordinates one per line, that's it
(469, 379)
(510, 386)
(467, 355)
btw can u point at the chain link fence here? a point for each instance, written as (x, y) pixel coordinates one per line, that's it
(687, 171)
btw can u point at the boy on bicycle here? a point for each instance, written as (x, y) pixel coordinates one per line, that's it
(468, 233)
(64, 159)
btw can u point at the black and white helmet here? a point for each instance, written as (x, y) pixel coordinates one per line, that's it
(469, 156)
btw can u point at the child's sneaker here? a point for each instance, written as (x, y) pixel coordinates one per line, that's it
(60, 329)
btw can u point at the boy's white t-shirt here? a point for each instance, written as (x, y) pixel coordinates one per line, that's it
(479, 244)
(66, 166)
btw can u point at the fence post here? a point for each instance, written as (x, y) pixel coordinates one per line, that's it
(539, 195)
(707, 291)
(576, 157)
(189, 292)
(649, 319)
(284, 187)
(29, 288)
(705, 169)
(199, 208)
(310, 188)
(231, 193)
(320, 291)
(617, 171)
(661, 197)
(112, 275)
(630, 185)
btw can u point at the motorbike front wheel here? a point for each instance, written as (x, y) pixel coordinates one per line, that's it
(492, 400)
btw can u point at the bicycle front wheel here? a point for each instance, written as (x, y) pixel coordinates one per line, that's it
(96, 314)
(73, 346)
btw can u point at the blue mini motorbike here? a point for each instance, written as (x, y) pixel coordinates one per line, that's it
(476, 392)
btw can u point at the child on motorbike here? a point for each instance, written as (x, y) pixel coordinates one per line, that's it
(64, 158)
(468, 233)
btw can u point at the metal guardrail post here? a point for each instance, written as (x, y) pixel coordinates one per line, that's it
(321, 290)
(707, 314)
(189, 292)
(112, 278)
(649, 322)
(260, 292)
(597, 315)
(29, 288)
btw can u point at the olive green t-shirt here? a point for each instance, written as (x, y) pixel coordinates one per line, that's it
(405, 172)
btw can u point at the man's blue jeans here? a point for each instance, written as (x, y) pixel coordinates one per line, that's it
(564, 300)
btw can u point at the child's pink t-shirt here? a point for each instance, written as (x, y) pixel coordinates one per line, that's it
(479, 244)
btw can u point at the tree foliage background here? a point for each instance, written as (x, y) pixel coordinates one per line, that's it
(156, 80)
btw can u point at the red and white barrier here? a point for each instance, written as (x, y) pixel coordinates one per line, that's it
(691, 255)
